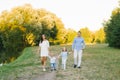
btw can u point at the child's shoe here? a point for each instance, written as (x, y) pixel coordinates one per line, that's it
(55, 69)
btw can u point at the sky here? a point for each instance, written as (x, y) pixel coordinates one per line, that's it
(75, 14)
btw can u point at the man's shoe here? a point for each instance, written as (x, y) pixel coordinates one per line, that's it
(75, 66)
(51, 69)
(79, 67)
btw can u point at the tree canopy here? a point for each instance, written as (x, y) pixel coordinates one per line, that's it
(112, 29)
(23, 26)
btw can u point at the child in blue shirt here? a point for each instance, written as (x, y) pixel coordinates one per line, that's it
(64, 55)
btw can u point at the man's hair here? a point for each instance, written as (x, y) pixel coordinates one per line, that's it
(79, 32)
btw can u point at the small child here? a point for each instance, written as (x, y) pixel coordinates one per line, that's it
(53, 62)
(64, 55)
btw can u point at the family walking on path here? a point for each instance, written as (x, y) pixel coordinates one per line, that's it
(77, 50)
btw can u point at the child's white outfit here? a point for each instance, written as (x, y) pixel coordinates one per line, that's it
(64, 59)
(53, 63)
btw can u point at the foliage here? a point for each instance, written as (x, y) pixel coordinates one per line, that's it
(23, 26)
(100, 36)
(93, 37)
(99, 62)
(86, 34)
(70, 35)
(112, 29)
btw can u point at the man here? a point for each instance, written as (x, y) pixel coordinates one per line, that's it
(77, 47)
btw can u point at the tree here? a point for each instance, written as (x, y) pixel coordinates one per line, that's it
(22, 27)
(1, 43)
(100, 36)
(70, 35)
(112, 29)
(87, 35)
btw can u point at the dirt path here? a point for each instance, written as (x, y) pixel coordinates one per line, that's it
(47, 76)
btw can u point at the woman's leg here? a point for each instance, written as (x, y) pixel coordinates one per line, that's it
(43, 61)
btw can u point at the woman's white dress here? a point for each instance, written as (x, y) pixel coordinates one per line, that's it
(44, 48)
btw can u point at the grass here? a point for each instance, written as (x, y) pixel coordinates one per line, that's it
(99, 62)
(25, 67)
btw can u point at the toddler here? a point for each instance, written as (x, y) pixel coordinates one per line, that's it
(53, 62)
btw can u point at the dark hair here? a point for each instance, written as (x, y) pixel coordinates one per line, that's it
(79, 32)
(42, 38)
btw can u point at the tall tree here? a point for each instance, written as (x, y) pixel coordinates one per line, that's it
(23, 26)
(112, 29)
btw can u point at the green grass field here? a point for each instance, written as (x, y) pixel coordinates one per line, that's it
(99, 62)
(25, 67)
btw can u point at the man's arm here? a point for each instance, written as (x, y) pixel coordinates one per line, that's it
(73, 45)
(83, 44)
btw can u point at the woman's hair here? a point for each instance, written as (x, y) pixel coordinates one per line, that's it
(63, 49)
(42, 38)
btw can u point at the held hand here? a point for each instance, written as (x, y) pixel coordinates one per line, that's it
(57, 57)
(70, 52)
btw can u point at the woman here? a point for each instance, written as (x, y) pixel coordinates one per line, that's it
(77, 47)
(44, 46)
